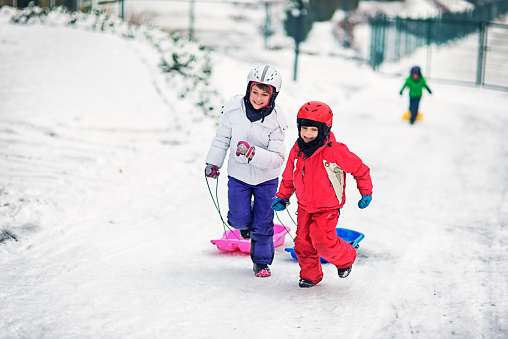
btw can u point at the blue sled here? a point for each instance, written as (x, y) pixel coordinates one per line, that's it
(350, 236)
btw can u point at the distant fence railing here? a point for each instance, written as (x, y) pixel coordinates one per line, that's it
(480, 46)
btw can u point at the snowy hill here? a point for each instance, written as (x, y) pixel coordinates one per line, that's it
(101, 168)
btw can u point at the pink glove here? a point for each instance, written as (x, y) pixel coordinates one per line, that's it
(212, 171)
(243, 148)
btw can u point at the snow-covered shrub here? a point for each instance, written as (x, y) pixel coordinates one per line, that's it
(59, 16)
(190, 62)
(6, 13)
(30, 15)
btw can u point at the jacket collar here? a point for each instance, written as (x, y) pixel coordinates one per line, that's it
(331, 139)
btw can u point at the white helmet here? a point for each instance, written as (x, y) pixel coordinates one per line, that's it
(266, 75)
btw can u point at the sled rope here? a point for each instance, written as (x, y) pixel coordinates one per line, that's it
(215, 201)
(277, 215)
(217, 207)
(290, 217)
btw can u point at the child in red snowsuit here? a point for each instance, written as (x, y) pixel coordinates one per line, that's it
(316, 171)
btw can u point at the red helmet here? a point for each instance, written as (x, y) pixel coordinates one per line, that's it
(317, 111)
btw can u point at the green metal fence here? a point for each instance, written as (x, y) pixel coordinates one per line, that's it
(480, 48)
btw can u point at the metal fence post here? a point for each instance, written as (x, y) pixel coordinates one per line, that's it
(429, 46)
(480, 74)
(191, 20)
(299, 35)
(267, 30)
(374, 25)
(122, 9)
(377, 46)
(384, 24)
(397, 38)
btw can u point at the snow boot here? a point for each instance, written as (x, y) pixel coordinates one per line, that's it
(352, 242)
(245, 233)
(261, 270)
(306, 283)
(344, 272)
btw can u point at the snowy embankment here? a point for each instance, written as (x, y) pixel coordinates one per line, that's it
(101, 167)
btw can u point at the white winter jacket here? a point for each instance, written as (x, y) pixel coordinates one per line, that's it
(267, 137)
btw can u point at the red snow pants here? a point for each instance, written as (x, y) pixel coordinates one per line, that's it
(316, 236)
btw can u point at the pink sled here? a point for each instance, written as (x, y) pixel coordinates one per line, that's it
(232, 240)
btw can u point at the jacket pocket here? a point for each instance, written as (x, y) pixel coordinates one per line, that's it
(336, 176)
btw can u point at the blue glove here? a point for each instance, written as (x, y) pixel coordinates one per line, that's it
(280, 204)
(364, 201)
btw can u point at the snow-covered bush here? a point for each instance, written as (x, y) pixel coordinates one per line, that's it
(186, 64)
(30, 15)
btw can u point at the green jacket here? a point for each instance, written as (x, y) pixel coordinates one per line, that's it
(415, 87)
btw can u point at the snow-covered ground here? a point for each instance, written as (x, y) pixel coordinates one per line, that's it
(101, 183)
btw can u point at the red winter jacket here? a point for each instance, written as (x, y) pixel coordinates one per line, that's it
(312, 177)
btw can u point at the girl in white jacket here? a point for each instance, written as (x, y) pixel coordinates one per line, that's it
(253, 128)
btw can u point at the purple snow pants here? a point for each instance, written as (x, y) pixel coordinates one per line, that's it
(257, 215)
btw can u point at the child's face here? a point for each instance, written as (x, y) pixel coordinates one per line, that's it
(415, 76)
(259, 98)
(309, 133)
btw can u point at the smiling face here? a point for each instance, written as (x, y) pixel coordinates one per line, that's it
(309, 133)
(258, 97)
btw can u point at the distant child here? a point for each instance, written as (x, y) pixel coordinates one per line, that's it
(416, 84)
(253, 128)
(316, 171)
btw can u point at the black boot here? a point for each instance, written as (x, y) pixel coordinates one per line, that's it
(344, 272)
(306, 283)
(245, 233)
(352, 242)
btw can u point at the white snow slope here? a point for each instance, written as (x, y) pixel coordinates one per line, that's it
(101, 182)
